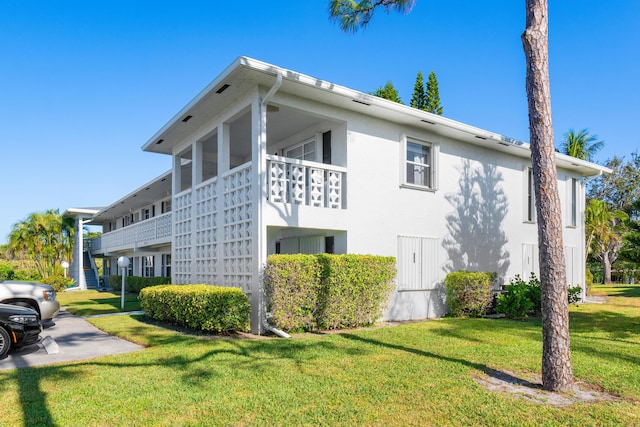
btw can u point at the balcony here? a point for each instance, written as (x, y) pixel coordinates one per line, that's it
(153, 231)
(301, 182)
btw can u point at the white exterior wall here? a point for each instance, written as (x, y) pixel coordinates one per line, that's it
(380, 209)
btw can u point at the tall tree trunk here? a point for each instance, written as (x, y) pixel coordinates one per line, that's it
(606, 268)
(557, 374)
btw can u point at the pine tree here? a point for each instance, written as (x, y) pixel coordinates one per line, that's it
(432, 96)
(417, 99)
(388, 91)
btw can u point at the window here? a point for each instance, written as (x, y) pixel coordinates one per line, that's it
(419, 164)
(303, 151)
(147, 266)
(166, 265)
(132, 260)
(146, 213)
(530, 215)
(573, 202)
(165, 206)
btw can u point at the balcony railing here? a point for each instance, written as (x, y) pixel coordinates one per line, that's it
(149, 231)
(305, 183)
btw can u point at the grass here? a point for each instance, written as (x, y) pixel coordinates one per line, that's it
(83, 303)
(413, 374)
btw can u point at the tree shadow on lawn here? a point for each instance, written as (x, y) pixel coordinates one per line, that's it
(506, 382)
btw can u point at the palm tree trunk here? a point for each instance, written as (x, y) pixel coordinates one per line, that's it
(606, 268)
(557, 374)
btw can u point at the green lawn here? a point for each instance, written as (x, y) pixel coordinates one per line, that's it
(414, 374)
(82, 303)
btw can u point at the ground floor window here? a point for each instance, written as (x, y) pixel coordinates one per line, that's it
(166, 265)
(147, 266)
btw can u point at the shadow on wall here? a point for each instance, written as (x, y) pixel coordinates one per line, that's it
(419, 304)
(476, 239)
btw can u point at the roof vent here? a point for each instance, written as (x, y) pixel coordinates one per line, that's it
(427, 121)
(222, 88)
(160, 141)
(360, 102)
(481, 137)
(186, 119)
(504, 143)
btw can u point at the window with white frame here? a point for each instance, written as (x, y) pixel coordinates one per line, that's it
(419, 164)
(304, 151)
(166, 265)
(530, 203)
(166, 206)
(147, 266)
(572, 217)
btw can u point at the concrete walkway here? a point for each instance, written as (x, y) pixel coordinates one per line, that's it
(68, 338)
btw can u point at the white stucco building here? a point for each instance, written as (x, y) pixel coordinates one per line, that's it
(267, 160)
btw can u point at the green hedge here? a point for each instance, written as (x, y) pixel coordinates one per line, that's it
(469, 293)
(201, 307)
(136, 283)
(307, 292)
(292, 283)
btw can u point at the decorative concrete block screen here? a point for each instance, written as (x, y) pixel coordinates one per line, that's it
(238, 236)
(206, 244)
(181, 260)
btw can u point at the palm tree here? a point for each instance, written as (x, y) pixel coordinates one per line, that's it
(604, 228)
(557, 374)
(581, 145)
(45, 238)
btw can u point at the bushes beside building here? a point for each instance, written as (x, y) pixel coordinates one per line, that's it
(308, 292)
(469, 293)
(137, 283)
(201, 307)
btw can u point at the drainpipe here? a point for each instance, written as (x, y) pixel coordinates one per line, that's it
(262, 315)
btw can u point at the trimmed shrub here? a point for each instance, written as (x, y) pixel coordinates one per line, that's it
(354, 289)
(322, 291)
(136, 283)
(292, 283)
(469, 293)
(201, 307)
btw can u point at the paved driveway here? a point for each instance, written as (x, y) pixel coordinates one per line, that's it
(67, 338)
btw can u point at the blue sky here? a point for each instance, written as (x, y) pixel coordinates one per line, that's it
(84, 84)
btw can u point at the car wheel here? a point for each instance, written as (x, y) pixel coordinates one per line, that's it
(5, 343)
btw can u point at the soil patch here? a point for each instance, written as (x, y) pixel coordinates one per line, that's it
(531, 390)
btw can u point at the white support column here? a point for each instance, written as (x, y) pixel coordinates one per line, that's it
(176, 176)
(224, 162)
(259, 191)
(196, 163)
(82, 283)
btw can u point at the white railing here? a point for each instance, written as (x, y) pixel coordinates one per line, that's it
(305, 183)
(153, 230)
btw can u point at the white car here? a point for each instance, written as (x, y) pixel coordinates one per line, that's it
(37, 296)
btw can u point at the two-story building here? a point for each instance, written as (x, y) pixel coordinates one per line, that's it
(267, 160)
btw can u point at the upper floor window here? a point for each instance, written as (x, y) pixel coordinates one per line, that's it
(166, 206)
(419, 164)
(303, 151)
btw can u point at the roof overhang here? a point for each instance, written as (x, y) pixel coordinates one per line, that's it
(245, 73)
(154, 190)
